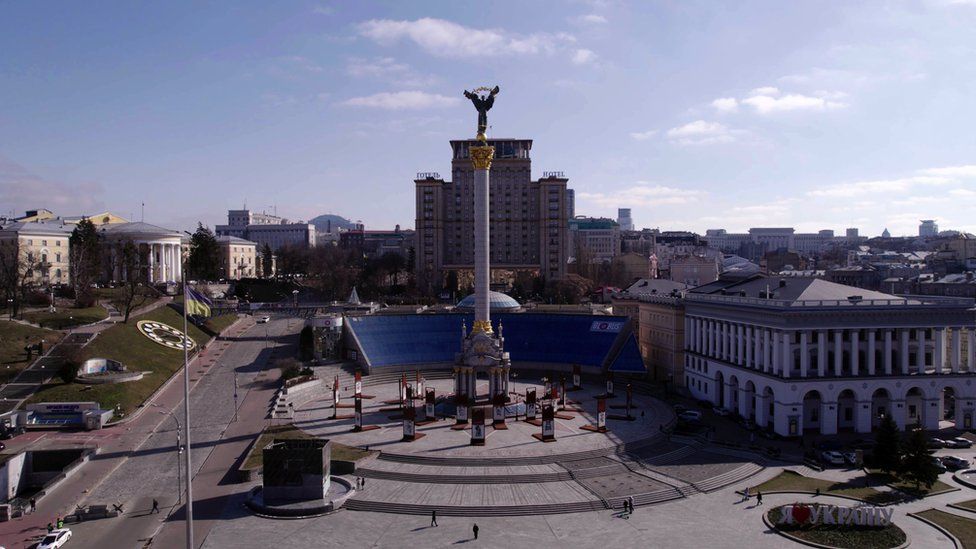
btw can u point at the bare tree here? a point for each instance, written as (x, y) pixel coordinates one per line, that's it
(18, 267)
(131, 293)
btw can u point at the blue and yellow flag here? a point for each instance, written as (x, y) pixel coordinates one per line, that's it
(196, 304)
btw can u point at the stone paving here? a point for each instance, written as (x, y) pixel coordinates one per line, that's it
(701, 465)
(517, 440)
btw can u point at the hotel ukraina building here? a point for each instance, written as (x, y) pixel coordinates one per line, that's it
(807, 355)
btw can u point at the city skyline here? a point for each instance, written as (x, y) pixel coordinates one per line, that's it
(834, 116)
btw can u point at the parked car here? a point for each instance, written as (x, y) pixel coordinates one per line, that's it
(264, 320)
(850, 458)
(954, 463)
(936, 443)
(2, 446)
(831, 457)
(719, 411)
(747, 424)
(938, 465)
(958, 442)
(55, 539)
(690, 415)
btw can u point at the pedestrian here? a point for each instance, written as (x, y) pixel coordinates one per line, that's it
(155, 508)
(630, 504)
(475, 530)
(817, 493)
(642, 416)
(758, 498)
(50, 528)
(433, 517)
(33, 504)
(745, 495)
(364, 483)
(60, 523)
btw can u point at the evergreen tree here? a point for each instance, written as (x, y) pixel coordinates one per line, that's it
(84, 253)
(204, 260)
(917, 466)
(306, 343)
(267, 261)
(887, 446)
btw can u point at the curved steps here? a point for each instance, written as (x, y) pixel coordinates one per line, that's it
(465, 479)
(474, 511)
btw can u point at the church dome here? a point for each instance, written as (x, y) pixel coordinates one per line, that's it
(497, 303)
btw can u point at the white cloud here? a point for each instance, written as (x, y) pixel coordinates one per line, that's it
(590, 19)
(701, 132)
(962, 172)
(644, 135)
(20, 190)
(403, 100)
(583, 56)
(300, 63)
(642, 194)
(726, 104)
(765, 90)
(448, 39)
(387, 69)
(767, 104)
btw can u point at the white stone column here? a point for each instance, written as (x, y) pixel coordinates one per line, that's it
(481, 245)
(872, 344)
(749, 330)
(804, 353)
(767, 350)
(822, 353)
(709, 337)
(152, 262)
(938, 352)
(920, 351)
(903, 342)
(786, 355)
(726, 342)
(167, 264)
(862, 416)
(741, 345)
(971, 350)
(887, 352)
(179, 263)
(855, 354)
(838, 352)
(956, 357)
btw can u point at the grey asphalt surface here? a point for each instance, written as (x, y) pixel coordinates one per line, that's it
(151, 469)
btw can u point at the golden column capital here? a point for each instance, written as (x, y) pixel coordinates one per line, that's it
(481, 326)
(481, 157)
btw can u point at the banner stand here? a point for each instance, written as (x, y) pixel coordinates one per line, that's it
(410, 433)
(601, 418)
(478, 427)
(548, 433)
(358, 427)
(462, 413)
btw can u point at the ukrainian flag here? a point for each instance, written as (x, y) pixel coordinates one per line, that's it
(196, 304)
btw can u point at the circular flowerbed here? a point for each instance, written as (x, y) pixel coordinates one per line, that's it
(806, 524)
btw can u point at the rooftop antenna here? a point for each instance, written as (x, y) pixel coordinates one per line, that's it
(143, 212)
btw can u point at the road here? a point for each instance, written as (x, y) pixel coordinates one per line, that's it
(138, 461)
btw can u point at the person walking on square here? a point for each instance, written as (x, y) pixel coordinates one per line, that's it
(155, 508)
(745, 495)
(630, 504)
(475, 530)
(33, 505)
(758, 498)
(60, 523)
(433, 517)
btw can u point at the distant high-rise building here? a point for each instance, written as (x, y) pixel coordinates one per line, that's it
(852, 233)
(928, 228)
(571, 200)
(594, 240)
(624, 220)
(527, 218)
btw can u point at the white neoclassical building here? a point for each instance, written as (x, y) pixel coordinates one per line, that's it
(805, 354)
(161, 249)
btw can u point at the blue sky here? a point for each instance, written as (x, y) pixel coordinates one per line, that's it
(696, 114)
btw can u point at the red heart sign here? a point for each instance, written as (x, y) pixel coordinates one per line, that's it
(801, 513)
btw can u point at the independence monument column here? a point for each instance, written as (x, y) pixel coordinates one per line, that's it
(481, 349)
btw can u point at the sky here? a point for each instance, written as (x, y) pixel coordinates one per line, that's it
(695, 114)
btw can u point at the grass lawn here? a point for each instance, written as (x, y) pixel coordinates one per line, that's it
(115, 294)
(13, 337)
(124, 343)
(877, 477)
(841, 536)
(256, 458)
(791, 481)
(220, 323)
(961, 527)
(971, 504)
(66, 317)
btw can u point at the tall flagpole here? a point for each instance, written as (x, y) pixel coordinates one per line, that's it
(186, 419)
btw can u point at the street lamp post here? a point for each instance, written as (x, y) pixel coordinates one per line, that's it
(179, 455)
(294, 293)
(10, 307)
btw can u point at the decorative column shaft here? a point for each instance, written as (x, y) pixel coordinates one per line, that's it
(481, 157)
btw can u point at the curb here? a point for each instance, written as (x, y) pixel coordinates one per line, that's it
(765, 518)
(955, 541)
(961, 508)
